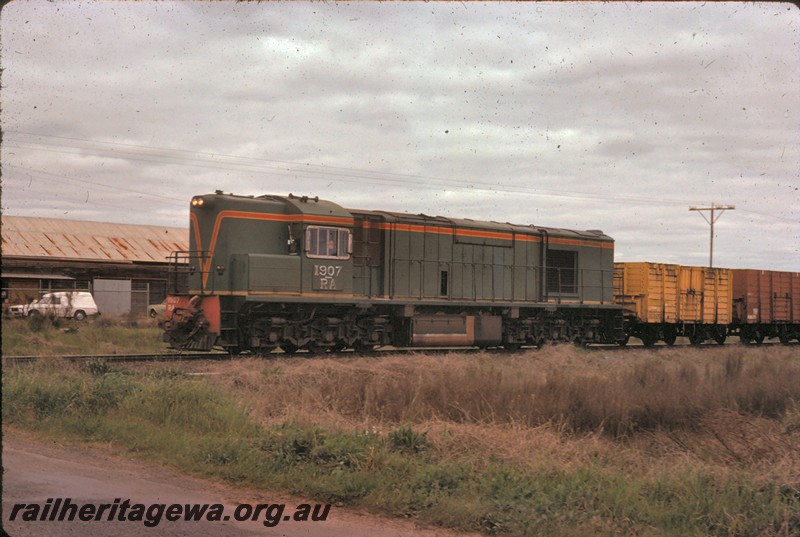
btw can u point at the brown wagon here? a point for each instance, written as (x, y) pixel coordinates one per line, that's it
(766, 304)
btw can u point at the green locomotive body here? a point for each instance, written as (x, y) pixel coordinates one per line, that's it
(298, 272)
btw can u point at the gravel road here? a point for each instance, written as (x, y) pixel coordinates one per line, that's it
(35, 470)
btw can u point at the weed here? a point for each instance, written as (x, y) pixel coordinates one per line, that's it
(98, 367)
(37, 322)
(405, 439)
(38, 335)
(554, 444)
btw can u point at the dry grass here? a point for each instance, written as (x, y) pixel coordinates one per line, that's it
(582, 392)
(638, 411)
(560, 441)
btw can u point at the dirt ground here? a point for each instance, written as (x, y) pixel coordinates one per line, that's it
(34, 471)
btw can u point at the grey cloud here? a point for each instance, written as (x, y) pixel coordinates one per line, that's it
(641, 109)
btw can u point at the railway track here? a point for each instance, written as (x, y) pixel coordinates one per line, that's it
(160, 357)
(178, 357)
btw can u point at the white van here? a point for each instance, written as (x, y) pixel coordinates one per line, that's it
(75, 304)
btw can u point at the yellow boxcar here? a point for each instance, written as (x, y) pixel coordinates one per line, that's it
(706, 295)
(666, 301)
(650, 290)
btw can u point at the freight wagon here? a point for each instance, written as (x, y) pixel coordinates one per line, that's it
(664, 301)
(766, 304)
(295, 273)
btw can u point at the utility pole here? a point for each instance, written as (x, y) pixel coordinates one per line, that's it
(711, 220)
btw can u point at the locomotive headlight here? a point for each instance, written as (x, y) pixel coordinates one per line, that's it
(197, 201)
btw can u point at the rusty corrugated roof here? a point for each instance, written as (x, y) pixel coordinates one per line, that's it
(25, 236)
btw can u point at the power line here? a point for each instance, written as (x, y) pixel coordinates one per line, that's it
(93, 183)
(345, 174)
(317, 172)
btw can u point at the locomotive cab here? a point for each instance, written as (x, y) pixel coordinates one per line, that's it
(244, 249)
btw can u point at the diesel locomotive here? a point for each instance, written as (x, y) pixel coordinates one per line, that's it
(289, 272)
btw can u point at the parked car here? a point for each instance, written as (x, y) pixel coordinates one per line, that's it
(75, 304)
(157, 310)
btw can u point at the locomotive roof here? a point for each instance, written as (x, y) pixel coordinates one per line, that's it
(315, 206)
(300, 204)
(484, 225)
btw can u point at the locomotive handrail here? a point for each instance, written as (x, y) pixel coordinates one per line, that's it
(577, 288)
(186, 262)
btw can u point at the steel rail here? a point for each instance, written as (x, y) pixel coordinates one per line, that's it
(178, 356)
(160, 357)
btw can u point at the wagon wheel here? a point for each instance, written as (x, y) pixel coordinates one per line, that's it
(512, 347)
(624, 341)
(784, 338)
(758, 337)
(670, 335)
(696, 338)
(720, 335)
(649, 336)
(648, 340)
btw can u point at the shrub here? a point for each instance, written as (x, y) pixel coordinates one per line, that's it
(407, 440)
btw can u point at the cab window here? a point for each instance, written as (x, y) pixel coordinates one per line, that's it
(328, 242)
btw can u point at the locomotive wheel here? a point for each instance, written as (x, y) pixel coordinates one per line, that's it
(289, 348)
(363, 348)
(314, 348)
(339, 346)
(624, 341)
(512, 347)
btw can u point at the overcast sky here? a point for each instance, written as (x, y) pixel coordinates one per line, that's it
(612, 116)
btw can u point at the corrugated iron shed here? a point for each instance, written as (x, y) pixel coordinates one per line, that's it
(24, 236)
